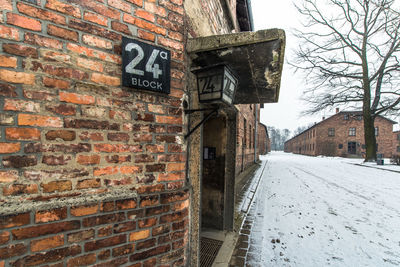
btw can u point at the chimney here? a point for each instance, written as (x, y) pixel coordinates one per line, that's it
(337, 110)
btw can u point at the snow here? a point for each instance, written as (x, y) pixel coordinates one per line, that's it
(317, 211)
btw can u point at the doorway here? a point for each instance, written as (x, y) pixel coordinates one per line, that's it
(213, 184)
(352, 148)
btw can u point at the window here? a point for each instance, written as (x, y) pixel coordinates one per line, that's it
(398, 136)
(245, 132)
(376, 131)
(363, 146)
(359, 117)
(331, 132)
(340, 146)
(352, 131)
(346, 117)
(398, 148)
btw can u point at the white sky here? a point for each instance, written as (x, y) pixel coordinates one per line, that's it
(286, 113)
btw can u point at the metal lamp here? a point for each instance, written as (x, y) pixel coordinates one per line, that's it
(216, 84)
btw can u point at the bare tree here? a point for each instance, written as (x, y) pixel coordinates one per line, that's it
(349, 53)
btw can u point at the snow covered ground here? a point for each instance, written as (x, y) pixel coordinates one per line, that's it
(314, 211)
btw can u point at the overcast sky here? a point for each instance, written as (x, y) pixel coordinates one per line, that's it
(286, 113)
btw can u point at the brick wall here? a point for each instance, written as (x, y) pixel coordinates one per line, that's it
(91, 172)
(262, 140)
(245, 136)
(316, 140)
(396, 143)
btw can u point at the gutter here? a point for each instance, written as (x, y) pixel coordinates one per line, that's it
(232, 17)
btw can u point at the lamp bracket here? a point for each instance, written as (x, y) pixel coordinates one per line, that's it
(206, 118)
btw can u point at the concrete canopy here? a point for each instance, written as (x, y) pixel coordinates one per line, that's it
(255, 57)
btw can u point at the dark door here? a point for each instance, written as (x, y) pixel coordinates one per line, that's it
(352, 148)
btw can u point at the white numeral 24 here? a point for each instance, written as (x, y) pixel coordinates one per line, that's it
(150, 66)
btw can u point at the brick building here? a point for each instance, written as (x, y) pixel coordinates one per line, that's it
(341, 135)
(396, 143)
(264, 143)
(101, 174)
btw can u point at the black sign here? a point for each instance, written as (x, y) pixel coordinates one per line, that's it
(145, 66)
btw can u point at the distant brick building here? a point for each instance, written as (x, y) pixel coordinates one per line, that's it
(264, 143)
(342, 135)
(396, 143)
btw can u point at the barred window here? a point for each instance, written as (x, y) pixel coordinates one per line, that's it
(331, 132)
(352, 131)
(376, 131)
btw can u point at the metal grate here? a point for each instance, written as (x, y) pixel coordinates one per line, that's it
(208, 251)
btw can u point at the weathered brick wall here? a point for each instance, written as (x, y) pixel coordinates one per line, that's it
(245, 136)
(329, 145)
(396, 143)
(71, 135)
(262, 142)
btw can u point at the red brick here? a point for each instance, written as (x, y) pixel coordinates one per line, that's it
(55, 83)
(139, 3)
(156, 9)
(160, 230)
(9, 221)
(155, 168)
(4, 237)
(107, 242)
(50, 215)
(81, 236)
(98, 8)
(105, 171)
(53, 160)
(146, 35)
(22, 134)
(105, 254)
(20, 189)
(95, 18)
(83, 260)
(76, 98)
(48, 256)
(84, 210)
(120, 27)
(6, 148)
(96, 41)
(20, 50)
(61, 134)
(126, 204)
(125, 227)
(173, 197)
(120, 5)
(149, 222)
(85, 136)
(172, 167)
(105, 231)
(145, 15)
(21, 105)
(47, 243)
(88, 183)
(62, 109)
(118, 148)
(63, 8)
(93, 29)
(8, 176)
(89, 52)
(12, 251)
(19, 161)
(42, 41)
(8, 62)
(45, 229)
(17, 77)
(145, 245)
(5, 4)
(88, 159)
(51, 55)
(39, 120)
(57, 186)
(89, 64)
(170, 43)
(105, 79)
(90, 124)
(120, 115)
(150, 253)
(24, 22)
(130, 169)
(123, 250)
(40, 13)
(63, 33)
(8, 90)
(9, 33)
(144, 25)
(139, 235)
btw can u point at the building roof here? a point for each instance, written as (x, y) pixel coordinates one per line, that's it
(354, 113)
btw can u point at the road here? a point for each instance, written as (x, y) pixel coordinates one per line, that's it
(312, 211)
